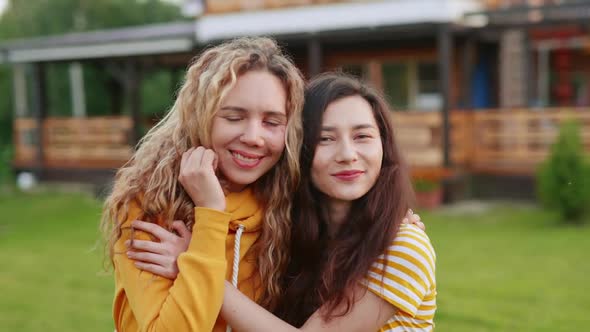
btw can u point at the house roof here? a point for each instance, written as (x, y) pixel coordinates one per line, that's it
(354, 18)
(148, 39)
(333, 17)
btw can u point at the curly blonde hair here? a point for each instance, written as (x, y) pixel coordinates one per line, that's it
(150, 177)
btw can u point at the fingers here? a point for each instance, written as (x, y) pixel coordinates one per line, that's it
(197, 156)
(185, 156)
(413, 219)
(154, 229)
(154, 247)
(421, 225)
(181, 229)
(148, 257)
(155, 269)
(208, 159)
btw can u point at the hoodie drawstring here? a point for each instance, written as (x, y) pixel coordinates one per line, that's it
(236, 265)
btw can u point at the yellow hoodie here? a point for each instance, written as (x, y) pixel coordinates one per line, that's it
(146, 302)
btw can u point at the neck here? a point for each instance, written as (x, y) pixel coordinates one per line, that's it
(337, 212)
(230, 187)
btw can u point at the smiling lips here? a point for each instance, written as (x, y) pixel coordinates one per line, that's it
(245, 160)
(349, 175)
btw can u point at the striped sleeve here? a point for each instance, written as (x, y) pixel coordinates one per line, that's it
(405, 273)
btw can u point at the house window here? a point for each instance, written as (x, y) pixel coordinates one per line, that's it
(428, 96)
(412, 85)
(396, 85)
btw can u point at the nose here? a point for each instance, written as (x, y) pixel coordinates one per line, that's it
(346, 152)
(252, 134)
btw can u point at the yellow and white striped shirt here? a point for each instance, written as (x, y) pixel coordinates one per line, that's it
(405, 277)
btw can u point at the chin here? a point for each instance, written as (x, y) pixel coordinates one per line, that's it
(349, 196)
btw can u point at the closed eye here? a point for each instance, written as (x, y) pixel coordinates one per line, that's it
(233, 118)
(272, 123)
(363, 136)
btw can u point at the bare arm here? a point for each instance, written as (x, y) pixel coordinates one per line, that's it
(369, 313)
(160, 257)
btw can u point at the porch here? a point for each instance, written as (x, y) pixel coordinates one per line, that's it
(494, 141)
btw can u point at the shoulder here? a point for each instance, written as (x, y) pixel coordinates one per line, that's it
(410, 255)
(405, 273)
(411, 238)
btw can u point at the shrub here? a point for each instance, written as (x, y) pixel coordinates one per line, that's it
(563, 180)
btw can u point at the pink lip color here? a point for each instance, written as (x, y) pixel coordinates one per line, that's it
(348, 175)
(243, 164)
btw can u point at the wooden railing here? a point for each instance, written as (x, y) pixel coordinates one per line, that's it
(485, 141)
(26, 140)
(517, 141)
(98, 142)
(490, 141)
(420, 138)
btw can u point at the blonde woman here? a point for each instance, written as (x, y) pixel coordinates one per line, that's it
(224, 161)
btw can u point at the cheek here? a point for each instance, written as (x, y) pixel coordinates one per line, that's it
(275, 140)
(319, 167)
(377, 159)
(217, 136)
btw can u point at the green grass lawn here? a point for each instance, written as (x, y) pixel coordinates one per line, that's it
(511, 268)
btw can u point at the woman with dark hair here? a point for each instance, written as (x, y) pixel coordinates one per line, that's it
(347, 232)
(347, 235)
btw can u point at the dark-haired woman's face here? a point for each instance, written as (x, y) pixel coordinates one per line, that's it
(348, 157)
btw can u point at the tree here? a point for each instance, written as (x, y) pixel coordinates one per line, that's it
(563, 180)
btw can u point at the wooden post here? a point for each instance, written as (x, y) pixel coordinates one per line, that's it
(529, 84)
(21, 107)
(444, 51)
(314, 57)
(39, 106)
(77, 90)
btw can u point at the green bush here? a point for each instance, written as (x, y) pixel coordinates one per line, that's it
(563, 180)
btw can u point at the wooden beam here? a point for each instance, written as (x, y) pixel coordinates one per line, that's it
(39, 106)
(314, 57)
(21, 105)
(444, 48)
(77, 89)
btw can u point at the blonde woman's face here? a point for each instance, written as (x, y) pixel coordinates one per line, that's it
(348, 157)
(248, 132)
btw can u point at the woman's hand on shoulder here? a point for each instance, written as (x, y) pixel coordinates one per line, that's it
(413, 219)
(198, 178)
(159, 257)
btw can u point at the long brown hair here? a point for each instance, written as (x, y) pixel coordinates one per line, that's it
(151, 175)
(324, 270)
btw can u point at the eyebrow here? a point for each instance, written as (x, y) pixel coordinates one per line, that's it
(243, 110)
(357, 127)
